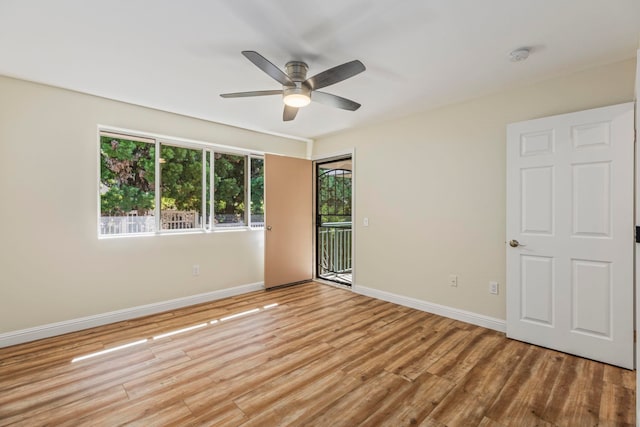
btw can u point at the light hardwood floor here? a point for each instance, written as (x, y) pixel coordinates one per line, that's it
(322, 357)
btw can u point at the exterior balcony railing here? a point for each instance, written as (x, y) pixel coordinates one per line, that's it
(335, 251)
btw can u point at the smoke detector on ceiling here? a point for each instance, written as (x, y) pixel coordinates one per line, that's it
(519, 55)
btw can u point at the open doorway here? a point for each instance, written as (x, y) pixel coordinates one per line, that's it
(334, 237)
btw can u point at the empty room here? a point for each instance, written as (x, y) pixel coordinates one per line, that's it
(296, 213)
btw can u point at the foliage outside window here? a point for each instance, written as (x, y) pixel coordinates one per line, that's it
(127, 186)
(334, 195)
(133, 200)
(229, 189)
(180, 188)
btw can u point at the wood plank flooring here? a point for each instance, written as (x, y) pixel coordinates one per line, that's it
(322, 357)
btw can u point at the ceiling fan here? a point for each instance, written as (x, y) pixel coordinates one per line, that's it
(298, 90)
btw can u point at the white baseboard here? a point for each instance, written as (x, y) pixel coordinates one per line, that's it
(73, 325)
(441, 310)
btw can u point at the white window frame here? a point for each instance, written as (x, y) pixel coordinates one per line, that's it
(248, 190)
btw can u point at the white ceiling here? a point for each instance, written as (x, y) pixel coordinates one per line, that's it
(179, 56)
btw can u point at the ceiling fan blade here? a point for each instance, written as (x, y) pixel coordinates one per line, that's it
(334, 101)
(253, 93)
(289, 113)
(335, 74)
(266, 66)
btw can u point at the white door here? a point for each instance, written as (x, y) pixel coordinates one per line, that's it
(570, 233)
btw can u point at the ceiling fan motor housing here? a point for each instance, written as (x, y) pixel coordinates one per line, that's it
(297, 71)
(300, 94)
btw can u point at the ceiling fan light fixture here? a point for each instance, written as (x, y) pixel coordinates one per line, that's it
(297, 100)
(297, 97)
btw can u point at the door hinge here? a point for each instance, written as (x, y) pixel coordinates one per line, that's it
(635, 336)
(637, 234)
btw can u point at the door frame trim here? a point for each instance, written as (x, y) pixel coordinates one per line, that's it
(349, 152)
(637, 222)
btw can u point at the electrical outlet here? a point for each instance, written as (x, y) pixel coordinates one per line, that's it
(453, 280)
(493, 288)
(195, 270)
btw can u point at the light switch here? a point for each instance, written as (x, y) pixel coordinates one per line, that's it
(493, 288)
(365, 222)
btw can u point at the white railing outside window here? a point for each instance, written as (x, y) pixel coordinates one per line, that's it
(130, 224)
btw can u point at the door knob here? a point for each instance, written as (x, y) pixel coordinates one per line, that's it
(268, 228)
(514, 243)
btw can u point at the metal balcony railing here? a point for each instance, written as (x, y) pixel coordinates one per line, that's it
(334, 249)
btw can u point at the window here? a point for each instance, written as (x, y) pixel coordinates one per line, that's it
(184, 187)
(180, 187)
(127, 185)
(229, 190)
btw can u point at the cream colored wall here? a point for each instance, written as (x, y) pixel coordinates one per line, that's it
(433, 187)
(53, 267)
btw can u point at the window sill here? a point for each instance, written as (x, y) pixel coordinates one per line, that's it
(179, 232)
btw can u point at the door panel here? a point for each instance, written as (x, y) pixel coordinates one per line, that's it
(289, 220)
(570, 209)
(537, 200)
(537, 285)
(592, 199)
(591, 291)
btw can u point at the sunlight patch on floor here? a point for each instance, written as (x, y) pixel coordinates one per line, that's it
(176, 332)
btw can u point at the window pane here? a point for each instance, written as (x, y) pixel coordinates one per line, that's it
(127, 186)
(180, 188)
(229, 189)
(257, 193)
